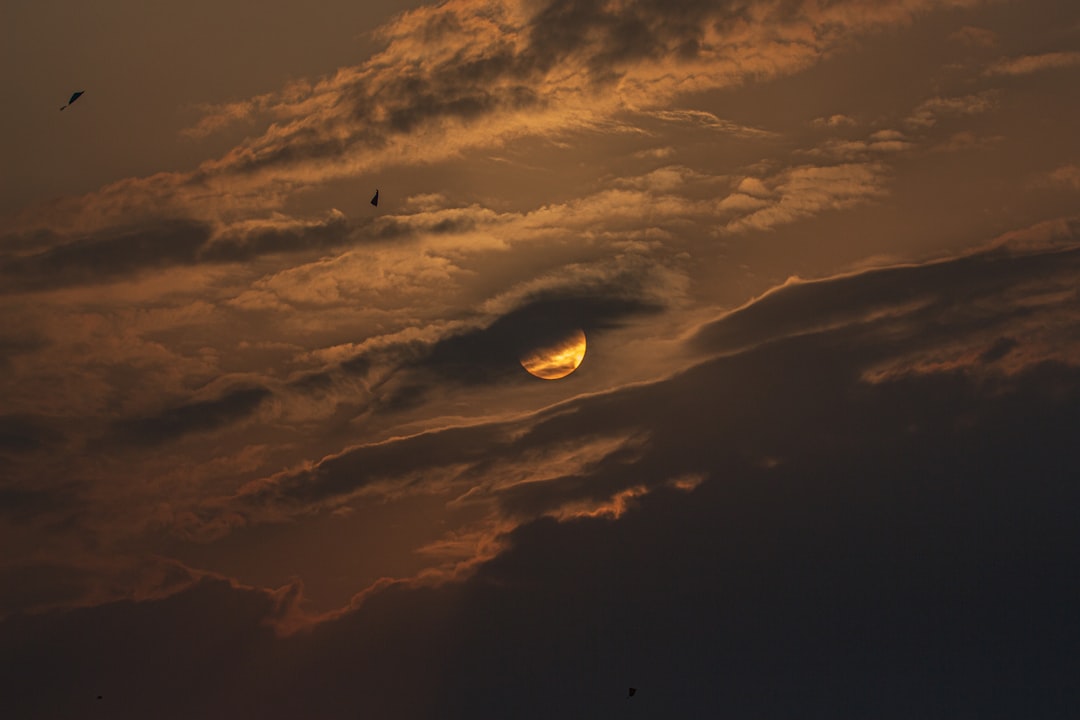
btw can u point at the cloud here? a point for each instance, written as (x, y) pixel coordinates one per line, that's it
(966, 140)
(1066, 176)
(24, 504)
(23, 433)
(909, 296)
(973, 36)
(492, 352)
(479, 73)
(834, 121)
(477, 356)
(930, 111)
(1027, 64)
(807, 190)
(16, 344)
(105, 256)
(201, 416)
(893, 323)
(117, 253)
(278, 234)
(879, 144)
(923, 520)
(1001, 347)
(657, 153)
(705, 119)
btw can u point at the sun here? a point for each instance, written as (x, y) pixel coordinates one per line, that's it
(558, 359)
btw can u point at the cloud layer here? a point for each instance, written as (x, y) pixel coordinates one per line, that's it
(872, 466)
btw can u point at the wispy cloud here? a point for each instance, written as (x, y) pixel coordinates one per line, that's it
(1027, 64)
(835, 121)
(469, 74)
(711, 121)
(975, 36)
(805, 191)
(1066, 176)
(928, 113)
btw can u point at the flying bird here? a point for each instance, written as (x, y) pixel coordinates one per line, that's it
(631, 694)
(74, 97)
(375, 200)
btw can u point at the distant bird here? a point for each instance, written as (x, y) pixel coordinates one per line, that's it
(74, 97)
(98, 697)
(631, 694)
(375, 200)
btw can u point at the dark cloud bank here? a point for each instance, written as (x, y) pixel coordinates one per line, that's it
(119, 253)
(171, 423)
(898, 549)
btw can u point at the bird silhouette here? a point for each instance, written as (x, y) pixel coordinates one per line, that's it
(375, 200)
(74, 97)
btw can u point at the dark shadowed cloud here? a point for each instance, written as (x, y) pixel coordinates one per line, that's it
(893, 546)
(493, 352)
(174, 422)
(877, 326)
(24, 434)
(119, 253)
(104, 257)
(245, 241)
(1001, 347)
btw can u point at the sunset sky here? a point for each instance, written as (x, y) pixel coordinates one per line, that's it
(270, 451)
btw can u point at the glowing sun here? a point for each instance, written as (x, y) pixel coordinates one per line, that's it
(557, 359)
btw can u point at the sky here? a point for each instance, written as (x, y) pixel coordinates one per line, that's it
(268, 450)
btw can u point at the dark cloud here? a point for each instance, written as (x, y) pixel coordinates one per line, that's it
(105, 256)
(1000, 348)
(612, 35)
(448, 66)
(493, 352)
(453, 101)
(36, 585)
(317, 382)
(175, 422)
(490, 76)
(786, 361)
(21, 434)
(361, 467)
(477, 357)
(395, 227)
(831, 584)
(475, 82)
(13, 346)
(238, 244)
(895, 548)
(932, 290)
(24, 504)
(112, 254)
(908, 553)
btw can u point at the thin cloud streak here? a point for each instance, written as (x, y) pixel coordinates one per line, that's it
(1027, 64)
